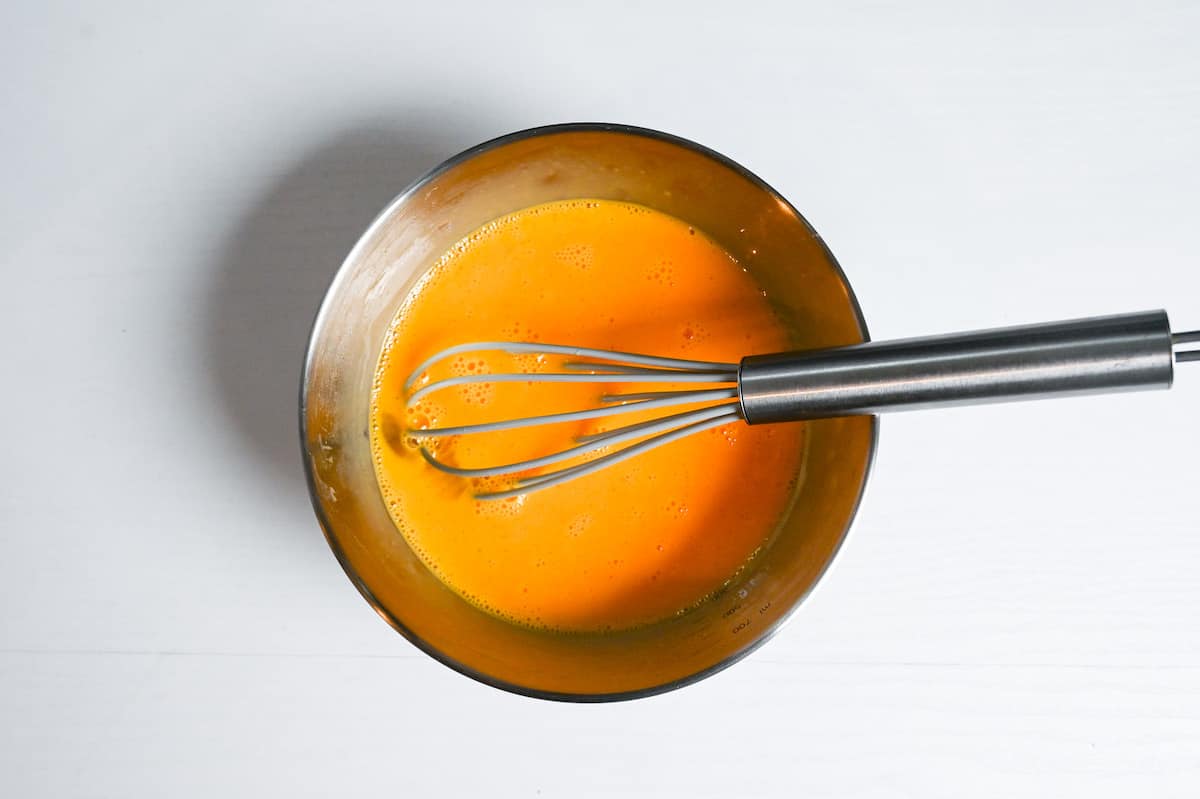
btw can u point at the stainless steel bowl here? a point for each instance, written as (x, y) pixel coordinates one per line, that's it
(559, 162)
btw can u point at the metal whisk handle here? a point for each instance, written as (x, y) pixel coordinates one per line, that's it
(1083, 356)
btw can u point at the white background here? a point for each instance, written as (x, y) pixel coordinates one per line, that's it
(1015, 612)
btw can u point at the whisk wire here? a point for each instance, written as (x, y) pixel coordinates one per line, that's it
(587, 444)
(554, 377)
(571, 416)
(1188, 337)
(647, 395)
(605, 366)
(532, 348)
(594, 367)
(582, 470)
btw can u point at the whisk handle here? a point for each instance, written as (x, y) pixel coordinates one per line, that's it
(1083, 356)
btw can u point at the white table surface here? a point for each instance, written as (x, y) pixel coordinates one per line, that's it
(1015, 612)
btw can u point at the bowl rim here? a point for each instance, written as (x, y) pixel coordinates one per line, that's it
(317, 329)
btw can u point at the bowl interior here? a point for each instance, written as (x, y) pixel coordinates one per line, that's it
(608, 162)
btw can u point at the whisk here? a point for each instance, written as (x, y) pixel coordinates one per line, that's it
(1100, 354)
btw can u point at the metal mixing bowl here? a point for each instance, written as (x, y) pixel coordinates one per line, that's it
(560, 162)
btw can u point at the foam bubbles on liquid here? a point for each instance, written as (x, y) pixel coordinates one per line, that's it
(579, 525)
(422, 416)
(472, 393)
(692, 334)
(519, 331)
(729, 432)
(509, 507)
(662, 272)
(580, 256)
(531, 362)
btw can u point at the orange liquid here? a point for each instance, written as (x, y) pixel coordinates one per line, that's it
(630, 544)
